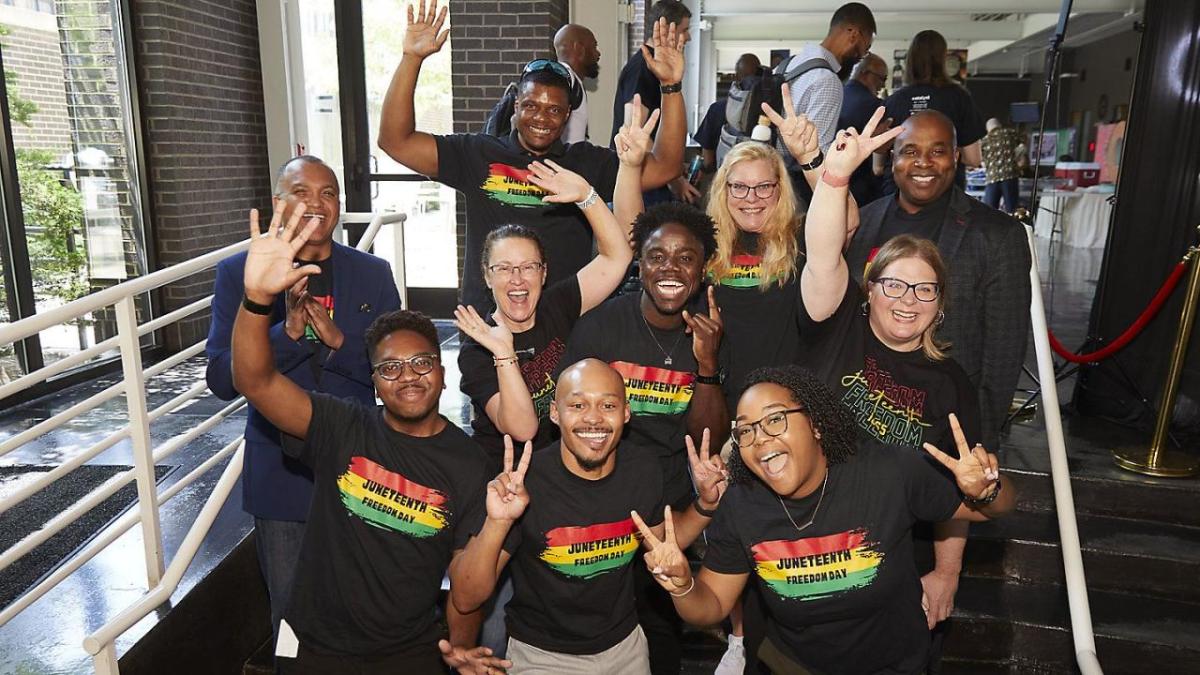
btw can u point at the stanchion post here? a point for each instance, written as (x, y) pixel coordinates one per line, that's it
(1161, 460)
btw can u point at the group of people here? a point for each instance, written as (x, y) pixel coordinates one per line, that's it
(802, 387)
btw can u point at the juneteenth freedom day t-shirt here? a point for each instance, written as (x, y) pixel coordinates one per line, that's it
(539, 351)
(573, 549)
(842, 596)
(493, 176)
(388, 511)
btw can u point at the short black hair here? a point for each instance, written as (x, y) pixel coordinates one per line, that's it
(548, 78)
(691, 218)
(825, 412)
(673, 11)
(401, 319)
(511, 232)
(854, 14)
(303, 159)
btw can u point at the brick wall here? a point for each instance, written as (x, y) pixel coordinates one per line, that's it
(200, 85)
(33, 55)
(492, 40)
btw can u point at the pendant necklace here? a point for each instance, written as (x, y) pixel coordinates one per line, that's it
(667, 360)
(801, 528)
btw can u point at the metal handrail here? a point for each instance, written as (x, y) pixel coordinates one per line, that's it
(1064, 500)
(162, 582)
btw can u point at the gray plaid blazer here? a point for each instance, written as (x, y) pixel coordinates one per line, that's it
(987, 307)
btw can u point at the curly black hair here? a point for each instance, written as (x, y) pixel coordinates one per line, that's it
(693, 219)
(401, 319)
(827, 415)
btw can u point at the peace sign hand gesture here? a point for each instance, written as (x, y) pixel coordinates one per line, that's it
(666, 63)
(706, 333)
(798, 133)
(709, 474)
(665, 560)
(633, 140)
(506, 495)
(270, 267)
(976, 470)
(496, 339)
(850, 148)
(425, 36)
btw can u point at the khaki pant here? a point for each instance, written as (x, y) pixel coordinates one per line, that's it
(628, 657)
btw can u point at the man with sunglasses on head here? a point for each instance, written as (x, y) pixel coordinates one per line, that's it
(493, 173)
(396, 486)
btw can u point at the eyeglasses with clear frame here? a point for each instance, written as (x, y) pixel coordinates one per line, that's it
(392, 369)
(771, 424)
(925, 291)
(527, 270)
(762, 190)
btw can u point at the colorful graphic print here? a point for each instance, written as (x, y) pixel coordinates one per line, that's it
(538, 374)
(746, 272)
(587, 552)
(325, 301)
(655, 391)
(817, 567)
(890, 412)
(389, 501)
(510, 185)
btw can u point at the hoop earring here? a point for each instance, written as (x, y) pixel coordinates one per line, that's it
(941, 317)
(866, 306)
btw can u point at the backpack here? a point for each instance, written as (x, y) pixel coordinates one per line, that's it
(499, 119)
(746, 96)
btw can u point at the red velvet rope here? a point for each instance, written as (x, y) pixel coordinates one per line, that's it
(1134, 329)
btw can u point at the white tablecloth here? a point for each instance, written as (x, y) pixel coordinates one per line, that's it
(1082, 217)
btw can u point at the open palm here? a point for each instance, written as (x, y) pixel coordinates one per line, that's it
(424, 35)
(270, 262)
(666, 63)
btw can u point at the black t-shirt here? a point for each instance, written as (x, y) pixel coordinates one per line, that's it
(320, 287)
(926, 223)
(635, 78)
(539, 350)
(954, 101)
(492, 175)
(388, 511)
(573, 552)
(659, 392)
(842, 596)
(760, 324)
(708, 134)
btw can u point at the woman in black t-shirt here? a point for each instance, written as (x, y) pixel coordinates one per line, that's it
(821, 521)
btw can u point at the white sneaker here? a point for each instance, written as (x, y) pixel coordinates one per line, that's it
(733, 661)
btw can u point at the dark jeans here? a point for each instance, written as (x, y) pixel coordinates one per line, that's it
(1008, 189)
(278, 544)
(423, 659)
(659, 621)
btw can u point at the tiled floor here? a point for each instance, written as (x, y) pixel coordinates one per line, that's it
(47, 637)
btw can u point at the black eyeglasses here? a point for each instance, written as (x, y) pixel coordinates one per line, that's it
(772, 424)
(925, 291)
(538, 65)
(421, 364)
(762, 190)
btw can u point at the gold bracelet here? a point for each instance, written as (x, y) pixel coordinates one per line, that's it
(503, 361)
(680, 595)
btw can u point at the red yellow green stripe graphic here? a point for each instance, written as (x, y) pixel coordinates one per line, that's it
(589, 551)
(655, 391)
(390, 501)
(817, 567)
(745, 272)
(510, 185)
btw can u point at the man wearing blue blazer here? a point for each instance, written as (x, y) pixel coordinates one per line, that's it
(317, 340)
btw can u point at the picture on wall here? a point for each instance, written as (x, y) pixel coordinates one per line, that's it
(956, 65)
(1110, 141)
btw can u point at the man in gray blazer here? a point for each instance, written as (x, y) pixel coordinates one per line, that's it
(986, 254)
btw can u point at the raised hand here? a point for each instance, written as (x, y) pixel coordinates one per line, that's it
(424, 35)
(327, 331)
(666, 63)
(471, 661)
(706, 333)
(850, 148)
(270, 266)
(565, 186)
(506, 495)
(709, 474)
(976, 471)
(633, 141)
(665, 560)
(798, 133)
(496, 339)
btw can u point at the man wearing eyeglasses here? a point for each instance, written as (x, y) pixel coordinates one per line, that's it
(860, 98)
(493, 174)
(396, 490)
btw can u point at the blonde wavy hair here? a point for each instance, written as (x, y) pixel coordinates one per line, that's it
(908, 246)
(779, 243)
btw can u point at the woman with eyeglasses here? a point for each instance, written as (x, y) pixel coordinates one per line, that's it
(509, 361)
(819, 521)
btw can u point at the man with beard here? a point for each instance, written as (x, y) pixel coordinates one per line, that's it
(576, 48)
(563, 517)
(673, 387)
(395, 487)
(493, 173)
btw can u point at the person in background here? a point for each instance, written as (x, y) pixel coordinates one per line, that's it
(576, 48)
(1003, 152)
(859, 100)
(708, 134)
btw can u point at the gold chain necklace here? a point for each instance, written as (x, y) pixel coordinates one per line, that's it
(801, 528)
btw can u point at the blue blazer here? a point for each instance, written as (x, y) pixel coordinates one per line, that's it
(276, 487)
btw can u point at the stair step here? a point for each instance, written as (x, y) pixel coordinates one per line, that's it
(1027, 626)
(1156, 559)
(1113, 492)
